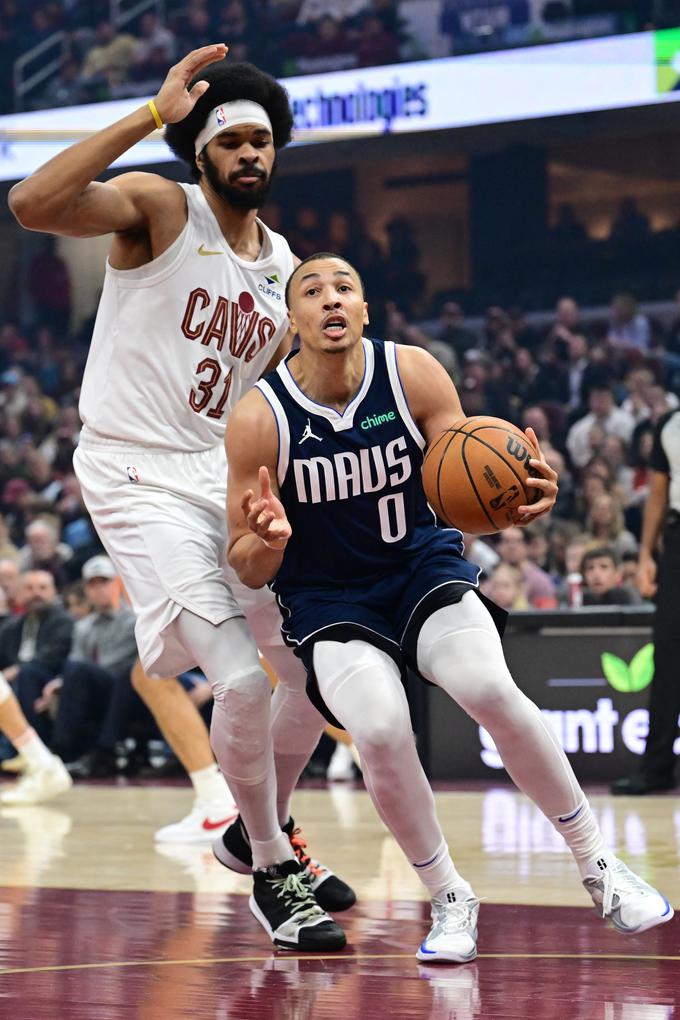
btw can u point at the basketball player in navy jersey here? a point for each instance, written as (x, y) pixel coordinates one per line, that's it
(326, 504)
(191, 314)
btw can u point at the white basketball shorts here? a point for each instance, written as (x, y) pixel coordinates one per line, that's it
(161, 516)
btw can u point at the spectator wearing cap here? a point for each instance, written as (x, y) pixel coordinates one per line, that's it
(97, 704)
(34, 645)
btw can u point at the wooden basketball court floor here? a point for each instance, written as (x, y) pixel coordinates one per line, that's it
(98, 924)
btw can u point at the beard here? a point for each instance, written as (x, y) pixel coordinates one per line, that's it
(238, 197)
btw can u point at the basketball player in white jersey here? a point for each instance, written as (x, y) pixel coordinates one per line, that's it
(192, 312)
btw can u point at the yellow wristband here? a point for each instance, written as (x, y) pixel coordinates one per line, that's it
(155, 114)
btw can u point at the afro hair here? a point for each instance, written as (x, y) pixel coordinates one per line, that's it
(230, 81)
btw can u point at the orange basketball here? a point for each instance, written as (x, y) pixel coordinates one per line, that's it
(475, 474)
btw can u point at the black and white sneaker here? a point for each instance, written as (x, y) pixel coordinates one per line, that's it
(285, 906)
(233, 850)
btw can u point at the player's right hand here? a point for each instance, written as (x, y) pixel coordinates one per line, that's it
(646, 576)
(266, 516)
(174, 102)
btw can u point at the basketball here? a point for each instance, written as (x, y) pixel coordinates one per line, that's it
(475, 474)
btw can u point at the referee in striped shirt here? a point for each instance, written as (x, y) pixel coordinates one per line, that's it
(659, 577)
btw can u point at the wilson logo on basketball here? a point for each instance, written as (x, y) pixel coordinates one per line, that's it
(518, 451)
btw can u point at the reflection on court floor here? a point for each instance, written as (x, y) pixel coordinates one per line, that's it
(97, 924)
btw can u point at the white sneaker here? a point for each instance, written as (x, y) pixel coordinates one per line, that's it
(205, 821)
(39, 784)
(627, 900)
(453, 936)
(341, 766)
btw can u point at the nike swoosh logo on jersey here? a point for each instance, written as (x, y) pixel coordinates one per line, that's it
(205, 251)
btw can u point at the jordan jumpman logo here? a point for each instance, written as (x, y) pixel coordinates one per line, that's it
(308, 434)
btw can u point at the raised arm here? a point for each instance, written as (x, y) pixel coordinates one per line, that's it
(258, 527)
(435, 405)
(62, 197)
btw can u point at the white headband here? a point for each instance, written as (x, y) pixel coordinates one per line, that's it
(229, 115)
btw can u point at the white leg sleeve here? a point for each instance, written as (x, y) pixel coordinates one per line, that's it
(459, 650)
(362, 687)
(240, 731)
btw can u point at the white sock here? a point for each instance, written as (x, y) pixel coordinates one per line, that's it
(210, 784)
(30, 746)
(582, 835)
(271, 851)
(439, 872)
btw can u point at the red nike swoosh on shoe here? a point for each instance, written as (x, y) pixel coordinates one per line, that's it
(209, 826)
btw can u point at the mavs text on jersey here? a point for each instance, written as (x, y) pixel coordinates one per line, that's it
(355, 475)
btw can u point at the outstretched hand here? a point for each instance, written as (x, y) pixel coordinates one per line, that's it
(174, 101)
(546, 483)
(265, 514)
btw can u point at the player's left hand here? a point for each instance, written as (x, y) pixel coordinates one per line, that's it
(265, 515)
(545, 480)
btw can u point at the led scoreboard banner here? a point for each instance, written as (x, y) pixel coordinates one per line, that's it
(429, 95)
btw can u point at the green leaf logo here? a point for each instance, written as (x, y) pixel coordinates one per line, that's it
(629, 677)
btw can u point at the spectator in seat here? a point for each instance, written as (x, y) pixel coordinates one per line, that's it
(10, 582)
(376, 44)
(629, 329)
(540, 589)
(8, 550)
(605, 525)
(451, 329)
(196, 30)
(154, 38)
(602, 581)
(109, 60)
(630, 229)
(97, 703)
(603, 412)
(44, 551)
(507, 588)
(75, 599)
(34, 645)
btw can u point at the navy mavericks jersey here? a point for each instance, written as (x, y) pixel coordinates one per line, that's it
(351, 482)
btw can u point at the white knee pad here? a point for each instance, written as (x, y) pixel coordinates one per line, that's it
(5, 689)
(252, 683)
(459, 650)
(362, 687)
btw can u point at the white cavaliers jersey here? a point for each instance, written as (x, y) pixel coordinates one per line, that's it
(178, 341)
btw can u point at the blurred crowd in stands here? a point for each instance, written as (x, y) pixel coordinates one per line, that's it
(592, 385)
(103, 54)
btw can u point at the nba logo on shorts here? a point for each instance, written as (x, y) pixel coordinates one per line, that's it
(133, 474)
(219, 116)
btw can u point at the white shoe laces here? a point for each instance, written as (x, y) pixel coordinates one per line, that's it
(620, 881)
(297, 895)
(454, 917)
